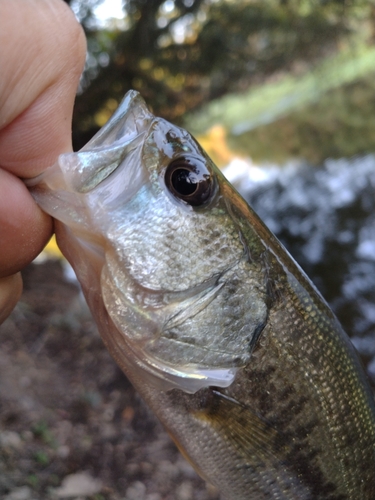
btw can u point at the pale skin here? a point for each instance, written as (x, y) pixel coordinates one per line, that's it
(42, 53)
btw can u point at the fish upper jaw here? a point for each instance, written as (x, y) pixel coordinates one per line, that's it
(81, 172)
(107, 169)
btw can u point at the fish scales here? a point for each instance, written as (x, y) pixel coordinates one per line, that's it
(216, 326)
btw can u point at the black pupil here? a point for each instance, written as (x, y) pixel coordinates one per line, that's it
(184, 181)
(189, 180)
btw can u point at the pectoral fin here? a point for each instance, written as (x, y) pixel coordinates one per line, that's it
(258, 447)
(248, 432)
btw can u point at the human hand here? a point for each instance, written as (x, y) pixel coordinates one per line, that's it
(42, 52)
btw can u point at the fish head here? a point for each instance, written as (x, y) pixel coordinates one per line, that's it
(170, 255)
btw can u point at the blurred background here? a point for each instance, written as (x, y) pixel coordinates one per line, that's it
(280, 78)
(281, 94)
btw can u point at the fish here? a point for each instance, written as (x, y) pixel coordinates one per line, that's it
(219, 330)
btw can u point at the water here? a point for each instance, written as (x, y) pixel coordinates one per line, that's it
(326, 219)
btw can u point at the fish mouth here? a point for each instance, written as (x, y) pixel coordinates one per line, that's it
(130, 119)
(81, 172)
(69, 189)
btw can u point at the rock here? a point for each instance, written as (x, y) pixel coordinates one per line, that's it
(10, 439)
(153, 496)
(81, 484)
(185, 491)
(136, 491)
(23, 493)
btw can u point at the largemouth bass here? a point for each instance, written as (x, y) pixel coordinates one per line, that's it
(213, 322)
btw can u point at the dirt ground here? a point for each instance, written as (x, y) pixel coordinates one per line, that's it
(71, 425)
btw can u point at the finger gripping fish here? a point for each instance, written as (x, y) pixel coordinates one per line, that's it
(209, 317)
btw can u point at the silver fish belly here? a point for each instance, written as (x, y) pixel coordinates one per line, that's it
(209, 317)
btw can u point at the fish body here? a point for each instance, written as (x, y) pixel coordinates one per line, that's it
(213, 322)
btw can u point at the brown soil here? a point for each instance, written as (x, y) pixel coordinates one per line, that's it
(65, 408)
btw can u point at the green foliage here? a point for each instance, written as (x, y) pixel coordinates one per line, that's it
(273, 99)
(341, 124)
(41, 430)
(33, 480)
(182, 54)
(41, 458)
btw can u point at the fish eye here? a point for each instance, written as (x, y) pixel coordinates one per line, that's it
(189, 179)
